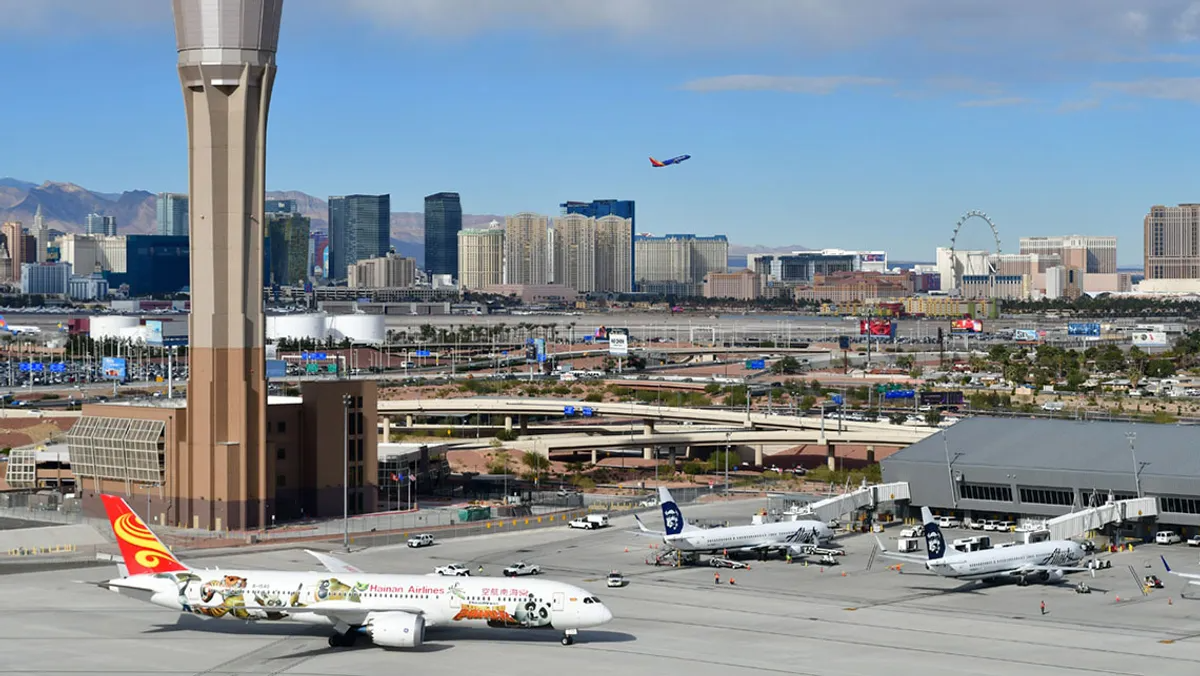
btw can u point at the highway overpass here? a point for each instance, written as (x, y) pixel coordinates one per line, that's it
(516, 409)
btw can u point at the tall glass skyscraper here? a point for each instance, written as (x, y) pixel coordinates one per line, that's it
(359, 228)
(600, 208)
(443, 221)
(172, 214)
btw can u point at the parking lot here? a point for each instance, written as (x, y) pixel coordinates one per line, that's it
(861, 616)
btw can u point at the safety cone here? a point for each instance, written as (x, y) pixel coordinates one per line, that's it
(626, 550)
(1118, 599)
(822, 569)
(1169, 602)
(843, 573)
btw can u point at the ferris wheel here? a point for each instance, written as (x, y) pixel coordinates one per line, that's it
(954, 265)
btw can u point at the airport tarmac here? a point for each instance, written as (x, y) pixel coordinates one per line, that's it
(779, 618)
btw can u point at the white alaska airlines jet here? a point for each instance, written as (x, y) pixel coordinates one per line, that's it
(796, 537)
(393, 610)
(1046, 561)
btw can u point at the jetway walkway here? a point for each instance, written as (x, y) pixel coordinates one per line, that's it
(1094, 518)
(836, 506)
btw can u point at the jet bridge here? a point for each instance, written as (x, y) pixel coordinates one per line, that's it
(1094, 518)
(835, 506)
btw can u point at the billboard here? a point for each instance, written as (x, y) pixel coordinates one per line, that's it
(1027, 335)
(540, 346)
(154, 333)
(1089, 329)
(113, 368)
(618, 342)
(941, 398)
(1150, 339)
(276, 368)
(966, 326)
(873, 257)
(877, 327)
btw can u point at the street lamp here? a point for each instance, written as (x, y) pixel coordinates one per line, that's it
(950, 468)
(1137, 467)
(727, 436)
(346, 399)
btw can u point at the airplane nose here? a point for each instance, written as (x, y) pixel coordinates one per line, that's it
(605, 615)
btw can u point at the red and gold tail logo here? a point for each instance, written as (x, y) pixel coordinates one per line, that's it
(144, 554)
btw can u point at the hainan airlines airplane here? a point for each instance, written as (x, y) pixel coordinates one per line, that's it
(796, 537)
(666, 163)
(1046, 561)
(393, 610)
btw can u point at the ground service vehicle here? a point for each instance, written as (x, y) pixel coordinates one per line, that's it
(521, 568)
(420, 540)
(583, 523)
(453, 570)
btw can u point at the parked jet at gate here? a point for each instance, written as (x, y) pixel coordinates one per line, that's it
(5, 327)
(796, 537)
(393, 610)
(1045, 561)
(673, 160)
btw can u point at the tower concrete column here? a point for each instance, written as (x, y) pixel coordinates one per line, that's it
(508, 423)
(831, 456)
(226, 68)
(758, 456)
(386, 435)
(595, 457)
(647, 427)
(870, 455)
(408, 420)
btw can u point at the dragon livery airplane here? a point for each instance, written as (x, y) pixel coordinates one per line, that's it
(667, 163)
(392, 610)
(795, 537)
(1046, 561)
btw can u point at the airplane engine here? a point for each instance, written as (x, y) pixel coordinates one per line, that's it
(398, 630)
(1052, 575)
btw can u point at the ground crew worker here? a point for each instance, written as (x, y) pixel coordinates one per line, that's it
(481, 569)
(1043, 607)
(789, 557)
(731, 583)
(716, 578)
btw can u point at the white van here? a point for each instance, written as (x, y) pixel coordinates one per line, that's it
(948, 522)
(1167, 537)
(601, 520)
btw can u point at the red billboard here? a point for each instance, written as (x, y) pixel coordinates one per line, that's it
(877, 327)
(966, 326)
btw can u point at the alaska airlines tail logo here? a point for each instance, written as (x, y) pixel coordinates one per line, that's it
(143, 552)
(672, 518)
(934, 543)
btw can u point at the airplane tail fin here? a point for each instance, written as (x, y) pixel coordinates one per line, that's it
(935, 544)
(673, 520)
(143, 552)
(642, 527)
(656, 163)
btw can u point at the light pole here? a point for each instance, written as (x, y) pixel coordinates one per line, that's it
(950, 468)
(346, 472)
(727, 436)
(1137, 468)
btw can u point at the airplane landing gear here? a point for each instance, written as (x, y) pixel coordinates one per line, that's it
(569, 636)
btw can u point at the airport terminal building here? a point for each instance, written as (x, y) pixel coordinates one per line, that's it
(1031, 470)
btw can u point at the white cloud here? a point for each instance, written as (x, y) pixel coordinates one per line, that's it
(1166, 88)
(69, 16)
(782, 83)
(1079, 105)
(998, 102)
(808, 23)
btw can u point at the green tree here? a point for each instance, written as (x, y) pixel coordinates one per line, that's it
(933, 417)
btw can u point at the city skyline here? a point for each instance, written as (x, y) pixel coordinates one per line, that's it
(1013, 110)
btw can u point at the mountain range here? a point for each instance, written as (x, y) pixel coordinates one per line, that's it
(65, 207)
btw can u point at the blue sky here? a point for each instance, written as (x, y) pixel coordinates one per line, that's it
(824, 123)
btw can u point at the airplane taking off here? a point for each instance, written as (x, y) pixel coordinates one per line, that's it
(5, 327)
(673, 160)
(393, 610)
(796, 537)
(1047, 561)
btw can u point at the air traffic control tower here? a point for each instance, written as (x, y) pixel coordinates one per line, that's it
(227, 68)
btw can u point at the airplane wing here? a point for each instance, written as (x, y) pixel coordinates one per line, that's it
(332, 564)
(897, 556)
(1192, 578)
(1021, 571)
(642, 530)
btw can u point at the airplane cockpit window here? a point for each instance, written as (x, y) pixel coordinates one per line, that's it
(587, 599)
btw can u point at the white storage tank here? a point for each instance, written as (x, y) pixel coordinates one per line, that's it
(111, 327)
(361, 329)
(296, 327)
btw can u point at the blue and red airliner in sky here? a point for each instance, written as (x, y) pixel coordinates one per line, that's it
(673, 160)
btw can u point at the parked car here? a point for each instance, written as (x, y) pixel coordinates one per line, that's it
(1194, 541)
(949, 522)
(521, 568)
(1167, 537)
(584, 524)
(616, 579)
(453, 570)
(420, 540)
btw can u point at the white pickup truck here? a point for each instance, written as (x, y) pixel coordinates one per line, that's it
(521, 568)
(584, 524)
